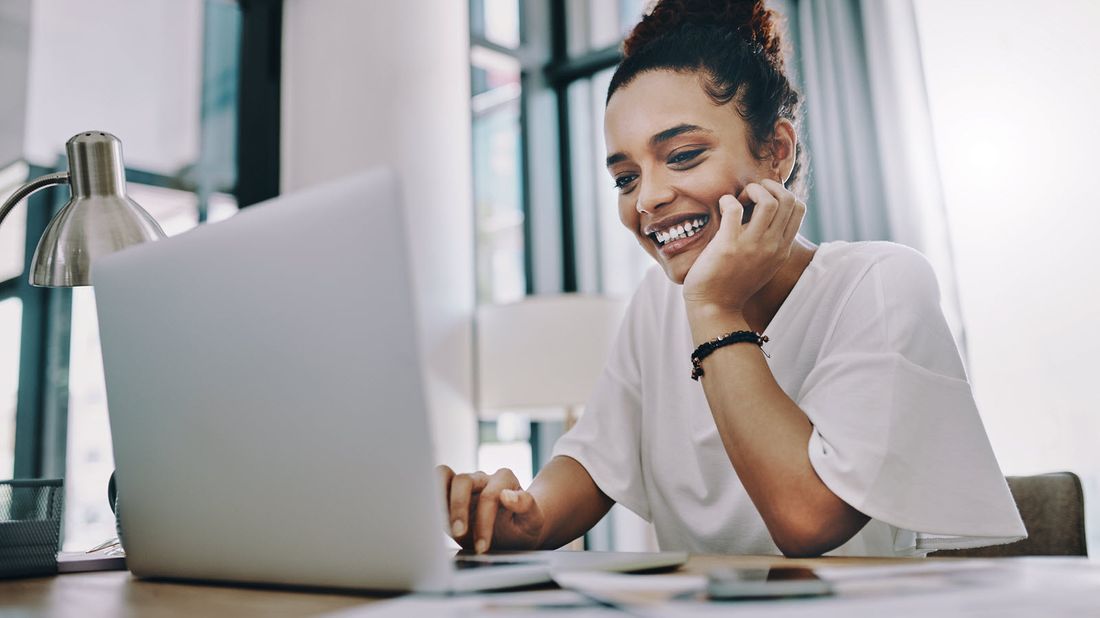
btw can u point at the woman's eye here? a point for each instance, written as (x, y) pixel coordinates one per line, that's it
(684, 156)
(622, 181)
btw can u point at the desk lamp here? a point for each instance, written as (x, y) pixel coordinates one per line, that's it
(99, 218)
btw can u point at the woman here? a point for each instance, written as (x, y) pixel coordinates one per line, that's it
(831, 412)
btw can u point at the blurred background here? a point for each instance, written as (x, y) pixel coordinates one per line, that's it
(964, 128)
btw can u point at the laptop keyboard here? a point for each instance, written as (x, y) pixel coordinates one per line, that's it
(466, 563)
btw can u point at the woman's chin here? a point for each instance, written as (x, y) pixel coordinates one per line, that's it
(677, 269)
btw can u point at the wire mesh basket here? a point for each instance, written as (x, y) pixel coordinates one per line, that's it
(30, 526)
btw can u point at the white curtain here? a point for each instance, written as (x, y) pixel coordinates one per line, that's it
(874, 171)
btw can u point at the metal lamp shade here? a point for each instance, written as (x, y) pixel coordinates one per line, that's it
(98, 220)
(85, 230)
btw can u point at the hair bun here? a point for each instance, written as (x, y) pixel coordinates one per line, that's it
(749, 19)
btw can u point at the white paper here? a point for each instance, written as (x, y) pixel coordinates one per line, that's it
(497, 605)
(1002, 588)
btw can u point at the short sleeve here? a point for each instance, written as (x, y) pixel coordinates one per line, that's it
(607, 438)
(897, 433)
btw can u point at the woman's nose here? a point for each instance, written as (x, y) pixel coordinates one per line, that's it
(653, 195)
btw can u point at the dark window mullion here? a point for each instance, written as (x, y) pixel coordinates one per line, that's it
(33, 342)
(558, 54)
(154, 179)
(258, 101)
(477, 41)
(525, 187)
(10, 288)
(569, 70)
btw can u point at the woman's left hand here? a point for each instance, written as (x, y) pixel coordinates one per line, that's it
(740, 259)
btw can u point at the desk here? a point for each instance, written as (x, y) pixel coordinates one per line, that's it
(117, 593)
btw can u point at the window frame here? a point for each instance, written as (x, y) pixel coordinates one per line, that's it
(41, 419)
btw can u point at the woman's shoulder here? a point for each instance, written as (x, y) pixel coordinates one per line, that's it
(893, 265)
(862, 254)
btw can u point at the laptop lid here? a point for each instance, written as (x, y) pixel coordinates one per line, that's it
(266, 400)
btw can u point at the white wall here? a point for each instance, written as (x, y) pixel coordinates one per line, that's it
(1014, 91)
(369, 83)
(131, 67)
(15, 17)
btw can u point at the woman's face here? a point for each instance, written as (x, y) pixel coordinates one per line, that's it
(672, 153)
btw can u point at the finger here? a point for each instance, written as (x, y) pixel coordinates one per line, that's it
(487, 506)
(764, 209)
(786, 209)
(525, 511)
(463, 486)
(795, 222)
(445, 475)
(732, 213)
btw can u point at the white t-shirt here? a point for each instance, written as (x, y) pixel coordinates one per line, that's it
(862, 346)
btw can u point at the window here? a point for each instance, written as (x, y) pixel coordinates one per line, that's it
(89, 461)
(176, 112)
(547, 220)
(11, 319)
(497, 164)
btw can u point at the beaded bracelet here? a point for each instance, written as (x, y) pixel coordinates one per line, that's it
(705, 348)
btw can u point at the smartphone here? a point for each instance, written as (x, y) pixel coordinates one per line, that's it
(774, 583)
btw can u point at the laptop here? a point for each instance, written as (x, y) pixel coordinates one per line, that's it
(267, 409)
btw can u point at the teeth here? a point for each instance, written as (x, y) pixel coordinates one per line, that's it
(678, 231)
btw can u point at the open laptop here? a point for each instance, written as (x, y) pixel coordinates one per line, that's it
(267, 409)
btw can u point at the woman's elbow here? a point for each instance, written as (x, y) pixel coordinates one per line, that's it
(810, 536)
(803, 548)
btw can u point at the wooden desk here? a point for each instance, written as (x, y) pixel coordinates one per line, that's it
(117, 593)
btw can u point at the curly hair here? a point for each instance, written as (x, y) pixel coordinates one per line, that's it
(737, 48)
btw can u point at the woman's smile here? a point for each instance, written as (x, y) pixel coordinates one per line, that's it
(676, 235)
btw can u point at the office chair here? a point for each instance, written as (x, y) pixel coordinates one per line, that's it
(1053, 509)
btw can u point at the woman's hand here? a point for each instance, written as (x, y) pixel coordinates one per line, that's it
(490, 511)
(740, 259)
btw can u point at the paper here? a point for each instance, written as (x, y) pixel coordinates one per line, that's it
(630, 591)
(495, 605)
(1002, 588)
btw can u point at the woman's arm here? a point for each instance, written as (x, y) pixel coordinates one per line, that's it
(493, 511)
(764, 432)
(570, 501)
(765, 435)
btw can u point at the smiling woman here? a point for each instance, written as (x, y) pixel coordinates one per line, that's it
(855, 432)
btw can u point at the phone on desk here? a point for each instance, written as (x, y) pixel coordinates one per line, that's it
(773, 583)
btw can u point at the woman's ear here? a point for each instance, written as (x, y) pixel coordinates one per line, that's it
(783, 149)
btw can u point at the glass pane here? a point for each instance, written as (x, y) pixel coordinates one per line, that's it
(586, 175)
(506, 443)
(496, 20)
(493, 73)
(597, 24)
(220, 207)
(11, 329)
(609, 259)
(498, 177)
(13, 231)
(88, 518)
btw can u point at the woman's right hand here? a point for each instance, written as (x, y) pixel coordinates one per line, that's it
(490, 511)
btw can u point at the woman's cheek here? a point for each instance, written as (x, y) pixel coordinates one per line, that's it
(628, 215)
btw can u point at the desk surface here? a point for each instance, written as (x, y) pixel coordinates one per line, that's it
(117, 593)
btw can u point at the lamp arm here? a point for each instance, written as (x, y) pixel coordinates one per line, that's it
(38, 183)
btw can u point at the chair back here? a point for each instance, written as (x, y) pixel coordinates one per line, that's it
(1053, 509)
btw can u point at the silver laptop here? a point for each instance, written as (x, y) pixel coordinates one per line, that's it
(266, 404)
